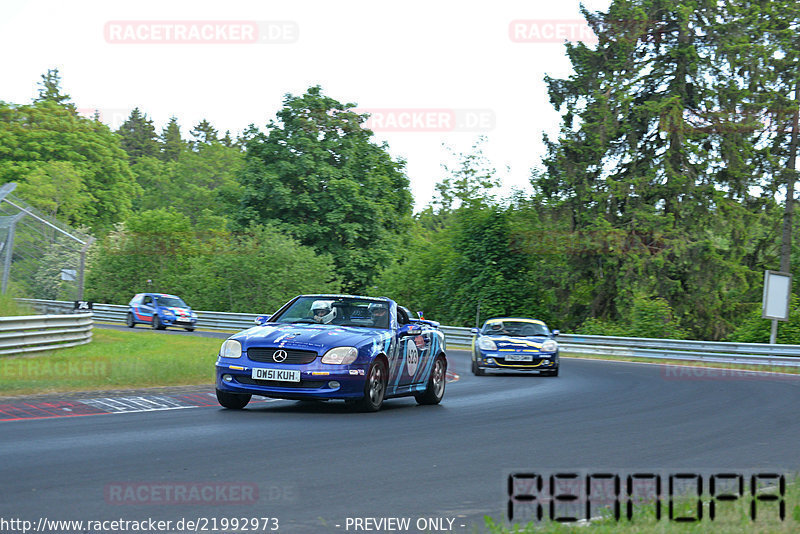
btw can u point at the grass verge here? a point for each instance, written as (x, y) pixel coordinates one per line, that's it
(10, 307)
(113, 360)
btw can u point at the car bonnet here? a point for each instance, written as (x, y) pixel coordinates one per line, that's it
(309, 336)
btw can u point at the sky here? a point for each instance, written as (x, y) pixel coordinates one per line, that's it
(435, 74)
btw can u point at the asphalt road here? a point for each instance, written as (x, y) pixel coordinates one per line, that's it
(313, 466)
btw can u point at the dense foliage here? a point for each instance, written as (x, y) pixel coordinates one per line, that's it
(654, 212)
(317, 176)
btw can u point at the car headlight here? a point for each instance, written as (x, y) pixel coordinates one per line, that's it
(231, 349)
(168, 312)
(486, 343)
(549, 345)
(340, 355)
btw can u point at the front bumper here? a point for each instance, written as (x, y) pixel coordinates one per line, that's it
(498, 360)
(178, 321)
(315, 380)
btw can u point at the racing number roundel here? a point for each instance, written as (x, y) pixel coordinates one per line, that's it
(412, 357)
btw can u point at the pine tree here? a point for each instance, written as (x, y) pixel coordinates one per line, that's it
(171, 142)
(139, 136)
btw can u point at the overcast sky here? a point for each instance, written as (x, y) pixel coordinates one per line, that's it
(432, 72)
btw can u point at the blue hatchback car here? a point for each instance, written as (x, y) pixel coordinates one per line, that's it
(318, 347)
(160, 310)
(514, 344)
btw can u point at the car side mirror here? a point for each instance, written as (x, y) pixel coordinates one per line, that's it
(261, 320)
(409, 330)
(473, 331)
(556, 332)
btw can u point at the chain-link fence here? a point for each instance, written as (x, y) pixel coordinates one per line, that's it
(40, 257)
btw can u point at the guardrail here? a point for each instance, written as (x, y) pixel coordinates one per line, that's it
(673, 349)
(31, 333)
(115, 313)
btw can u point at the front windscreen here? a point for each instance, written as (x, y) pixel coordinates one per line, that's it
(514, 329)
(171, 302)
(342, 311)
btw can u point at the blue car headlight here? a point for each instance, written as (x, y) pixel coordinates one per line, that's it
(231, 349)
(486, 343)
(340, 355)
(549, 345)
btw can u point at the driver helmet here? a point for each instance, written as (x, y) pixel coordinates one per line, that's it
(322, 311)
(497, 327)
(377, 310)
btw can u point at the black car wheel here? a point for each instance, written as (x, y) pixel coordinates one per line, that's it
(477, 371)
(129, 320)
(157, 323)
(233, 401)
(189, 329)
(554, 372)
(374, 388)
(435, 390)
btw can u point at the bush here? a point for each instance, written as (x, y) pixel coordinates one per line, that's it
(755, 329)
(648, 317)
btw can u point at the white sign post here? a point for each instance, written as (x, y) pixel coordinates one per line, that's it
(777, 295)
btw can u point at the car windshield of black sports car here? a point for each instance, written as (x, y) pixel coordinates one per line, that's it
(341, 311)
(173, 302)
(514, 329)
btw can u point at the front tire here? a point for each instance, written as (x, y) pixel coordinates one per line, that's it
(477, 371)
(129, 320)
(157, 323)
(232, 401)
(435, 390)
(374, 388)
(189, 329)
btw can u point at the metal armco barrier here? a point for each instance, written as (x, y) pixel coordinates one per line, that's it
(460, 337)
(31, 333)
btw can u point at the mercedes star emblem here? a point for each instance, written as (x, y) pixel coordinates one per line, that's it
(279, 355)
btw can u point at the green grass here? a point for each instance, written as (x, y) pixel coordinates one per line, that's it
(731, 518)
(8, 307)
(113, 360)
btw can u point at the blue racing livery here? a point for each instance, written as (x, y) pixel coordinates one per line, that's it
(318, 347)
(514, 344)
(160, 310)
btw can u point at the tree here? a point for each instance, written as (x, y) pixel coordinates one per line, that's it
(471, 181)
(254, 271)
(317, 176)
(204, 133)
(50, 90)
(56, 188)
(139, 136)
(35, 136)
(171, 142)
(656, 162)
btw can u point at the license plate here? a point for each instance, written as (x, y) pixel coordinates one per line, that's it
(519, 358)
(283, 375)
